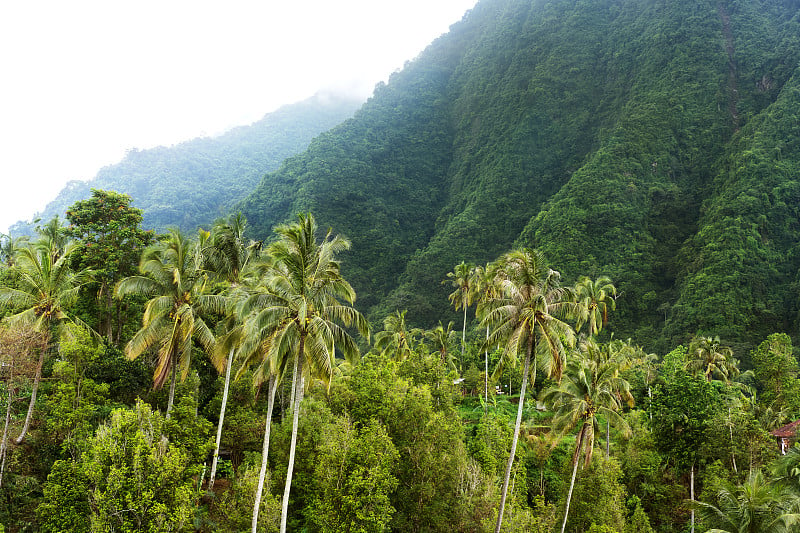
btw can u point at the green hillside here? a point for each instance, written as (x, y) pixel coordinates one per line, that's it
(194, 182)
(652, 141)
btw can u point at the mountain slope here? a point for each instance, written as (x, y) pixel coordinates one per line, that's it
(654, 141)
(192, 183)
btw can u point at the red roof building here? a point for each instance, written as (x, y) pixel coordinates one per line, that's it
(786, 435)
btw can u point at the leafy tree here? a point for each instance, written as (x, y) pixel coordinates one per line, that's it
(354, 479)
(171, 275)
(776, 373)
(76, 404)
(682, 409)
(65, 506)
(233, 510)
(599, 499)
(111, 242)
(45, 289)
(525, 319)
(638, 522)
(137, 473)
(433, 464)
(138, 480)
(647, 476)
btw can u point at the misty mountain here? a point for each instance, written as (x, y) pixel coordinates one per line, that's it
(654, 141)
(194, 182)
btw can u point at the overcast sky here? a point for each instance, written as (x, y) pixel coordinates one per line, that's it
(81, 81)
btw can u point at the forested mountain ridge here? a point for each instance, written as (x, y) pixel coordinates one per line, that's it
(652, 141)
(196, 181)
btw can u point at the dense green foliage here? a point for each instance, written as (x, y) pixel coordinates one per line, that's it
(655, 142)
(194, 182)
(397, 440)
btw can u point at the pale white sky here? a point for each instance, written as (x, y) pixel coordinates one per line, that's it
(83, 81)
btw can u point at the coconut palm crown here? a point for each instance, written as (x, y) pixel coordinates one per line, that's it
(173, 278)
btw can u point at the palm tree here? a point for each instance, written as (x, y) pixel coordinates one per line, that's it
(304, 314)
(486, 289)
(442, 340)
(756, 506)
(592, 385)
(395, 339)
(257, 346)
(596, 298)
(525, 317)
(707, 355)
(461, 278)
(228, 257)
(9, 247)
(173, 277)
(45, 289)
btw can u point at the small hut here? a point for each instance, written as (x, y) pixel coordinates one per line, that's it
(786, 435)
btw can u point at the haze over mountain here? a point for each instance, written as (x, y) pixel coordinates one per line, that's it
(192, 183)
(653, 141)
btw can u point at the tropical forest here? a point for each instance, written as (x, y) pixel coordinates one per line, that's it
(545, 279)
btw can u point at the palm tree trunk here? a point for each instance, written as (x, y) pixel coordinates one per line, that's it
(733, 450)
(691, 492)
(4, 445)
(264, 451)
(608, 438)
(486, 375)
(171, 399)
(109, 311)
(293, 445)
(119, 308)
(36, 379)
(575, 458)
(221, 419)
(463, 339)
(294, 386)
(517, 425)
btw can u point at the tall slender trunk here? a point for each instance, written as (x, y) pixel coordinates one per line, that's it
(171, 399)
(109, 323)
(228, 366)
(517, 425)
(293, 445)
(486, 375)
(36, 379)
(294, 385)
(691, 492)
(463, 339)
(733, 450)
(4, 444)
(119, 307)
(575, 458)
(264, 451)
(608, 438)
